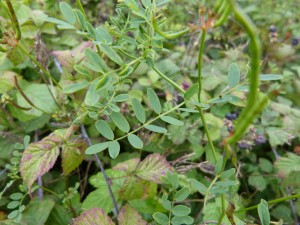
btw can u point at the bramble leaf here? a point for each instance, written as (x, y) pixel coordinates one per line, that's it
(93, 216)
(129, 216)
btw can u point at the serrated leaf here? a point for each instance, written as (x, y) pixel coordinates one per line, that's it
(135, 141)
(93, 149)
(266, 77)
(172, 120)
(191, 91)
(156, 129)
(120, 121)
(139, 110)
(114, 149)
(72, 155)
(74, 87)
(111, 53)
(289, 164)
(263, 213)
(104, 129)
(181, 210)
(95, 60)
(234, 75)
(154, 100)
(121, 98)
(129, 216)
(67, 12)
(182, 194)
(39, 157)
(160, 218)
(92, 217)
(153, 167)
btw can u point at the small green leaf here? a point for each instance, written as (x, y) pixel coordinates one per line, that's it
(139, 110)
(181, 210)
(114, 149)
(103, 36)
(188, 110)
(160, 218)
(104, 129)
(67, 12)
(227, 173)
(26, 141)
(135, 141)
(182, 194)
(191, 91)
(13, 204)
(120, 121)
(198, 186)
(263, 213)
(234, 75)
(95, 59)
(172, 120)
(182, 220)
(81, 19)
(121, 98)
(166, 204)
(154, 100)
(96, 148)
(173, 179)
(219, 165)
(156, 129)
(13, 214)
(16, 196)
(111, 53)
(266, 77)
(74, 87)
(222, 99)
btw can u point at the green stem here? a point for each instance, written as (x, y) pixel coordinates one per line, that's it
(270, 202)
(14, 19)
(201, 48)
(151, 121)
(208, 189)
(223, 209)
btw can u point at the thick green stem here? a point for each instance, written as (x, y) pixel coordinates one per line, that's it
(202, 40)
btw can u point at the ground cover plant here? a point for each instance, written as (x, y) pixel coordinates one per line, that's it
(149, 112)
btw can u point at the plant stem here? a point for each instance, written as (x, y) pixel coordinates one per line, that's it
(86, 137)
(200, 54)
(270, 202)
(14, 19)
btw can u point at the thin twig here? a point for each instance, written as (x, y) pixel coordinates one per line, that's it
(86, 137)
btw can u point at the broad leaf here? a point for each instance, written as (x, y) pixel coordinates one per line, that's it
(153, 168)
(111, 53)
(104, 129)
(234, 75)
(120, 121)
(154, 100)
(135, 141)
(156, 129)
(92, 217)
(67, 12)
(72, 155)
(139, 110)
(114, 149)
(39, 157)
(172, 120)
(129, 216)
(93, 149)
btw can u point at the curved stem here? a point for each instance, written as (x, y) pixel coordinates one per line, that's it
(200, 54)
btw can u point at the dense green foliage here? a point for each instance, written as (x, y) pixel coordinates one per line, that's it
(149, 112)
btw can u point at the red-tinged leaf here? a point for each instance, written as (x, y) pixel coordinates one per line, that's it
(39, 157)
(128, 165)
(72, 155)
(129, 216)
(153, 168)
(92, 217)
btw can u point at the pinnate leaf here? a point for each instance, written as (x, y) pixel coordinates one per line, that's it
(114, 149)
(154, 100)
(266, 77)
(160, 218)
(93, 149)
(156, 129)
(129, 216)
(39, 157)
(111, 53)
(172, 120)
(67, 12)
(135, 141)
(181, 210)
(153, 168)
(120, 121)
(139, 110)
(182, 194)
(93, 216)
(104, 129)
(263, 212)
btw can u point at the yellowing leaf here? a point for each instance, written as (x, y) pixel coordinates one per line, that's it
(92, 217)
(129, 216)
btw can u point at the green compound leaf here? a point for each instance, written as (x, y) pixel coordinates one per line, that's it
(135, 141)
(234, 75)
(104, 129)
(156, 129)
(111, 53)
(121, 98)
(93, 149)
(13, 204)
(181, 210)
(16, 196)
(120, 121)
(160, 218)
(263, 212)
(74, 87)
(95, 60)
(182, 194)
(114, 149)
(93, 216)
(172, 120)
(139, 110)
(67, 12)
(191, 91)
(154, 100)
(182, 220)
